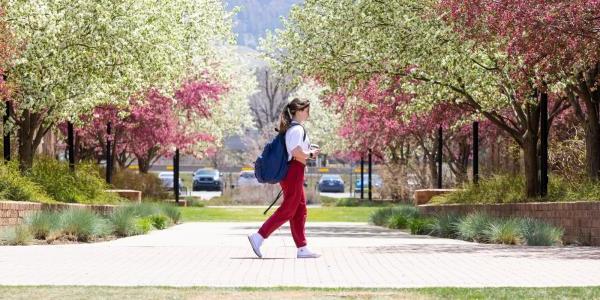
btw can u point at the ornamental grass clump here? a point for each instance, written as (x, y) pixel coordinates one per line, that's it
(504, 231)
(16, 236)
(538, 233)
(445, 226)
(133, 219)
(123, 222)
(421, 226)
(398, 221)
(472, 227)
(42, 223)
(82, 225)
(382, 216)
(171, 211)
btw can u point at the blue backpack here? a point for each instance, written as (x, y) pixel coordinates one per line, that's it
(272, 165)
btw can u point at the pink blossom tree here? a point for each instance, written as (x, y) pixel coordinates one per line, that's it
(151, 126)
(377, 121)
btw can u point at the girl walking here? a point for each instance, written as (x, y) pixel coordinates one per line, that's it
(293, 207)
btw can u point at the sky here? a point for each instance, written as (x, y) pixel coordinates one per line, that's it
(257, 16)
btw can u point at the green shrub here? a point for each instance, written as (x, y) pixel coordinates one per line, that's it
(195, 202)
(42, 223)
(149, 184)
(351, 202)
(510, 189)
(504, 231)
(538, 233)
(496, 189)
(159, 221)
(328, 201)
(15, 236)
(16, 187)
(444, 226)
(82, 186)
(472, 227)
(81, 224)
(385, 215)
(224, 199)
(143, 225)
(421, 226)
(354, 202)
(399, 221)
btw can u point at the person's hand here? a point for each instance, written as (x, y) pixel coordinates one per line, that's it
(315, 152)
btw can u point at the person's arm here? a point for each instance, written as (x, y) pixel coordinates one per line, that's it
(300, 155)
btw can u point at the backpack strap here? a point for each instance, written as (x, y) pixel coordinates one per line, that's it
(303, 130)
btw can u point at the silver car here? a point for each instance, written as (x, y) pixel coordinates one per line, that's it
(247, 178)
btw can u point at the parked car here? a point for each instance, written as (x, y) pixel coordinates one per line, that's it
(331, 183)
(376, 183)
(247, 178)
(207, 180)
(167, 180)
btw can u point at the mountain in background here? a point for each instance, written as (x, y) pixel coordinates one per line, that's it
(256, 16)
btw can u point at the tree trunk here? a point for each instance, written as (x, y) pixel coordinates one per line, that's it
(30, 134)
(530, 160)
(26, 151)
(592, 142)
(463, 161)
(143, 164)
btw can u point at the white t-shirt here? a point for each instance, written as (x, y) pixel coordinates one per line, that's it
(293, 139)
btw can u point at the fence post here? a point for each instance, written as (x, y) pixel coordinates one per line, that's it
(71, 145)
(370, 175)
(108, 153)
(176, 175)
(362, 176)
(439, 157)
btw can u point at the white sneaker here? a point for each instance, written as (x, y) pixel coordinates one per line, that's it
(303, 252)
(256, 241)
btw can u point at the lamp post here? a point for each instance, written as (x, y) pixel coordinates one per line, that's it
(108, 153)
(475, 152)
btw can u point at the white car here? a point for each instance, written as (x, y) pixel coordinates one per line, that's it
(247, 178)
(167, 180)
(165, 174)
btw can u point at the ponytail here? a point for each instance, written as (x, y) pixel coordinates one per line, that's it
(285, 119)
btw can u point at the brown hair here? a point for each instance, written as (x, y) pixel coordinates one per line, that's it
(285, 118)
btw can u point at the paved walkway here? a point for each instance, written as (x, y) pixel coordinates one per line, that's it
(354, 255)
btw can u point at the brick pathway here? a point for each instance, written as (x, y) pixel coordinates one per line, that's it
(354, 255)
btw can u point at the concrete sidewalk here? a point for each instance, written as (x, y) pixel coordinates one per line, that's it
(354, 255)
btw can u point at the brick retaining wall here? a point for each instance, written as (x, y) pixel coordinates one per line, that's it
(13, 212)
(580, 220)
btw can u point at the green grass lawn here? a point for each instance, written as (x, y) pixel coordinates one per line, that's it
(94, 292)
(315, 214)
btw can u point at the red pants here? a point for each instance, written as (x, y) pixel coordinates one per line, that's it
(293, 208)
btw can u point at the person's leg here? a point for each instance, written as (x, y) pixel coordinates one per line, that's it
(291, 196)
(298, 221)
